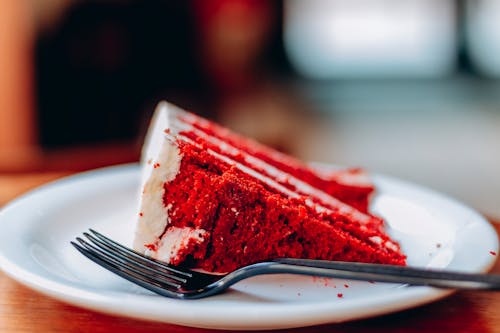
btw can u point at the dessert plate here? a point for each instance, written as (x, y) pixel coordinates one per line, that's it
(434, 231)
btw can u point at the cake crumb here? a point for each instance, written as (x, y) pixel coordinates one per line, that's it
(326, 282)
(346, 285)
(438, 245)
(493, 253)
(141, 214)
(340, 295)
(151, 247)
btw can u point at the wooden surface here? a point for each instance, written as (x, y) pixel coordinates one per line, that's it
(24, 310)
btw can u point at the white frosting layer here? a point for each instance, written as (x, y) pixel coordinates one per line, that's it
(160, 164)
(175, 240)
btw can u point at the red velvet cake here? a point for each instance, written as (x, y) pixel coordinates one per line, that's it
(214, 200)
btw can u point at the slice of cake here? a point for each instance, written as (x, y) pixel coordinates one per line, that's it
(214, 200)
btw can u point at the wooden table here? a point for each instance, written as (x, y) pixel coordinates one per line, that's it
(24, 310)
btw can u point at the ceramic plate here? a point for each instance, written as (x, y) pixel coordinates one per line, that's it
(434, 231)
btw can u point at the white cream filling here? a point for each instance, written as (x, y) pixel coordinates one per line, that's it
(160, 163)
(175, 240)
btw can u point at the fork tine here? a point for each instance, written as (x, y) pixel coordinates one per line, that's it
(115, 246)
(138, 262)
(139, 279)
(121, 262)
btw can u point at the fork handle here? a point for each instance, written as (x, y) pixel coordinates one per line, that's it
(390, 273)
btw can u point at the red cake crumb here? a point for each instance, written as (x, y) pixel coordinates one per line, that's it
(327, 282)
(493, 253)
(339, 295)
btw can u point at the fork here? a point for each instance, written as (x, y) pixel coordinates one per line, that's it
(183, 283)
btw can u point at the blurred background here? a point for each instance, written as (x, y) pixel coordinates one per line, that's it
(409, 88)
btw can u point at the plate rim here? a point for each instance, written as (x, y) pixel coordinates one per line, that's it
(104, 303)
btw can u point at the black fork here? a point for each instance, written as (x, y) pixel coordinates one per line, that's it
(184, 283)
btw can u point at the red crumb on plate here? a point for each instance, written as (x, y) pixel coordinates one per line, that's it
(327, 282)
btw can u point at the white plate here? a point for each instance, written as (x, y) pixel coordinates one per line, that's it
(37, 228)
